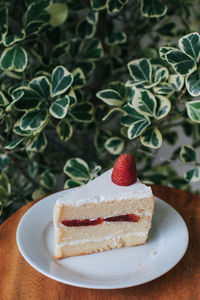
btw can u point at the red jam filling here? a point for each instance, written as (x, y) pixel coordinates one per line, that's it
(87, 222)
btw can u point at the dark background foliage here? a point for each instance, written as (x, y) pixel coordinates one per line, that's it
(67, 97)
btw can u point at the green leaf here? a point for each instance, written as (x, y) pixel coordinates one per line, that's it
(87, 67)
(140, 70)
(48, 180)
(3, 100)
(69, 183)
(114, 6)
(164, 50)
(64, 130)
(60, 49)
(161, 74)
(163, 107)
(108, 113)
(12, 39)
(75, 47)
(110, 97)
(153, 8)
(193, 175)
(14, 59)
(85, 30)
(72, 97)
(33, 120)
(4, 161)
(98, 4)
(94, 50)
(145, 103)
(193, 83)
(167, 29)
(114, 145)
(77, 169)
(116, 38)
(3, 23)
(93, 17)
(193, 110)
(151, 137)
(135, 121)
(58, 108)
(61, 81)
(41, 85)
(36, 12)
(176, 81)
(100, 138)
(4, 184)
(79, 78)
(94, 170)
(38, 143)
(17, 130)
(13, 144)
(190, 45)
(182, 63)
(26, 98)
(119, 87)
(163, 88)
(187, 154)
(83, 112)
(58, 13)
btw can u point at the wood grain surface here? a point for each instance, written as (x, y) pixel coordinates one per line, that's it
(19, 281)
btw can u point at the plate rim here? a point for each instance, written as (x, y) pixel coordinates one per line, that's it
(91, 285)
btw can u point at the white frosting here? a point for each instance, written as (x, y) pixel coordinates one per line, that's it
(108, 237)
(103, 189)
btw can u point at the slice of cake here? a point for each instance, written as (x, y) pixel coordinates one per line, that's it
(111, 211)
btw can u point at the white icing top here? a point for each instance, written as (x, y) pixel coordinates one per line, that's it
(103, 189)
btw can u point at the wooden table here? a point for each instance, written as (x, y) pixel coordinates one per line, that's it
(19, 281)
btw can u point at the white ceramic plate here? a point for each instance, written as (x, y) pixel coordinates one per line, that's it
(125, 267)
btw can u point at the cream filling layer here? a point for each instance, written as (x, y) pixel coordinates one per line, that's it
(116, 237)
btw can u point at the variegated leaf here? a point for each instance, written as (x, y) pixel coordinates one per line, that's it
(83, 112)
(193, 175)
(145, 103)
(61, 81)
(187, 154)
(77, 169)
(161, 74)
(58, 108)
(193, 83)
(114, 145)
(14, 143)
(182, 63)
(190, 45)
(153, 8)
(163, 107)
(48, 180)
(193, 110)
(64, 130)
(151, 137)
(98, 4)
(41, 85)
(14, 58)
(176, 81)
(33, 120)
(140, 70)
(110, 97)
(79, 78)
(38, 143)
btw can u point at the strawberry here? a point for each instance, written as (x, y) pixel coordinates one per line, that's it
(124, 171)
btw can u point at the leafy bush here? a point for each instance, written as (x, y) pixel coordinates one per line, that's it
(83, 81)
